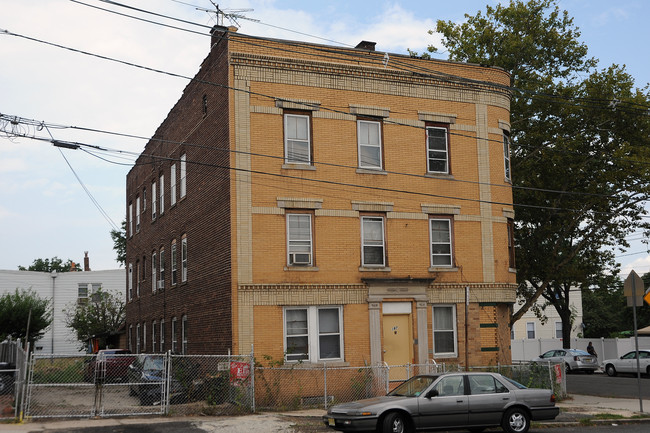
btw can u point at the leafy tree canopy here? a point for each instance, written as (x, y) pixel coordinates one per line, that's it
(119, 243)
(102, 315)
(53, 264)
(19, 308)
(580, 141)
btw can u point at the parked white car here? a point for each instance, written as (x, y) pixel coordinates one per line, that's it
(627, 363)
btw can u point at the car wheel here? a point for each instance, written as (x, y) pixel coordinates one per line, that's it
(567, 369)
(516, 420)
(132, 392)
(145, 400)
(610, 370)
(395, 422)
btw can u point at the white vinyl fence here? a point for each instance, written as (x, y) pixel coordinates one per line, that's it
(606, 348)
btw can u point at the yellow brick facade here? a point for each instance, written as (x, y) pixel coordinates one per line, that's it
(269, 80)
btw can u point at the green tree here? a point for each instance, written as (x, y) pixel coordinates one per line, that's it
(53, 264)
(578, 145)
(102, 315)
(19, 308)
(119, 243)
(606, 314)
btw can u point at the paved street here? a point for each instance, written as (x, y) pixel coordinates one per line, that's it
(602, 385)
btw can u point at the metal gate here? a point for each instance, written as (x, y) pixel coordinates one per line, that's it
(89, 386)
(118, 384)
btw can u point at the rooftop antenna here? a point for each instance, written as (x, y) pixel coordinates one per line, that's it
(231, 15)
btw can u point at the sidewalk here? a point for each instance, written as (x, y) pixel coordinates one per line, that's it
(573, 410)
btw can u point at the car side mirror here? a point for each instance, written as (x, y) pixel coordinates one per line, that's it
(432, 393)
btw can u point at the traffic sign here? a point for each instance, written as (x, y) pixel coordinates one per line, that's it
(647, 297)
(633, 288)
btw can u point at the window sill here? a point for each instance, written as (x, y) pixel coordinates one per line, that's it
(512, 270)
(374, 269)
(296, 166)
(371, 171)
(317, 364)
(301, 268)
(445, 355)
(442, 269)
(439, 175)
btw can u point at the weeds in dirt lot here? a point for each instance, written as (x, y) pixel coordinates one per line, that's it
(59, 370)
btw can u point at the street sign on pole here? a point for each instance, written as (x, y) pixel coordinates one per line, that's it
(646, 298)
(633, 289)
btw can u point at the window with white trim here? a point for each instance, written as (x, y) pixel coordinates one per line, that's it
(441, 247)
(161, 196)
(137, 214)
(154, 273)
(297, 143)
(174, 264)
(137, 278)
(558, 329)
(154, 324)
(161, 267)
(506, 155)
(530, 330)
(511, 243)
(137, 338)
(162, 335)
(299, 240)
(174, 337)
(313, 333)
(184, 334)
(130, 218)
(172, 184)
(373, 251)
(369, 144)
(154, 198)
(183, 180)
(130, 282)
(445, 331)
(437, 150)
(184, 258)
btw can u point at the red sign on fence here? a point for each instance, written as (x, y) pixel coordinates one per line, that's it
(558, 373)
(239, 372)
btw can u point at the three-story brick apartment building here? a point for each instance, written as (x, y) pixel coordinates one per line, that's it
(325, 204)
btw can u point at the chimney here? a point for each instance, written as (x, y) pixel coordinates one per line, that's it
(366, 45)
(86, 261)
(219, 32)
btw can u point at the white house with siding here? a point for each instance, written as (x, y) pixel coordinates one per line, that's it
(64, 289)
(529, 327)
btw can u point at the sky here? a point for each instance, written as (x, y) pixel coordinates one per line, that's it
(63, 202)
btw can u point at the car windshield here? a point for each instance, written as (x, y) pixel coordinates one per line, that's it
(515, 383)
(413, 387)
(153, 363)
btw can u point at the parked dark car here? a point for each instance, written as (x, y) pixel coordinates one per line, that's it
(6, 378)
(147, 380)
(473, 401)
(109, 365)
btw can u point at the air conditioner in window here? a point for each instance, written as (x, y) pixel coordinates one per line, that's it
(161, 284)
(299, 258)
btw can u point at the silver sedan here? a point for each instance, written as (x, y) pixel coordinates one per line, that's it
(474, 401)
(573, 359)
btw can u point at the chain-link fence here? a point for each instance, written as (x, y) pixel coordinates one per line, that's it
(120, 384)
(13, 365)
(112, 384)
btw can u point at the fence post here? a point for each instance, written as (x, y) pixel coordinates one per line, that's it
(252, 374)
(168, 382)
(325, 382)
